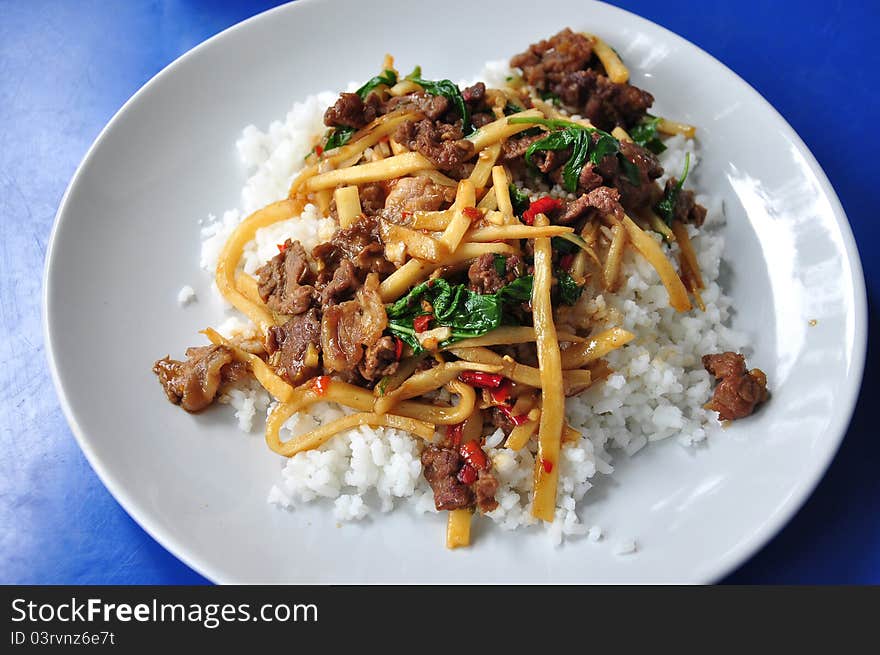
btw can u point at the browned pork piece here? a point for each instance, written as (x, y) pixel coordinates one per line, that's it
(285, 281)
(738, 391)
(455, 482)
(564, 66)
(193, 384)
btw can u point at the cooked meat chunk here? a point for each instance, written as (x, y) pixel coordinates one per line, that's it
(413, 194)
(547, 62)
(444, 144)
(433, 107)
(288, 344)
(485, 488)
(343, 283)
(372, 197)
(349, 327)
(606, 200)
(351, 111)
(193, 384)
(516, 146)
(441, 466)
(604, 102)
(485, 277)
(360, 244)
(738, 391)
(645, 164)
(380, 360)
(564, 66)
(686, 208)
(285, 280)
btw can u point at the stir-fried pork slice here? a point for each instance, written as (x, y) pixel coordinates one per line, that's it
(285, 281)
(441, 466)
(289, 344)
(349, 327)
(193, 384)
(413, 194)
(489, 272)
(359, 244)
(442, 143)
(686, 208)
(738, 391)
(351, 111)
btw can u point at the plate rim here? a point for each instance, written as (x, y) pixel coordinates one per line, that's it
(726, 563)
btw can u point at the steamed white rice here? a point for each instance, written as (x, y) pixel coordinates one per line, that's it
(656, 392)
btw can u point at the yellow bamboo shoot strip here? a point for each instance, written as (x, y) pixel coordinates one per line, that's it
(404, 87)
(680, 231)
(552, 399)
(406, 368)
(485, 161)
(437, 177)
(458, 523)
(315, 438)
(431, 221)
(414, 271)
(617, 72)
(348, 205)
(460, 223)
(458, 528)
(489, 201)
(620, 134)
(503, 336)
(501, 129)
(500, 184)
(261, 370)
(580, 354)
(418, 244)
(661, 228)
(351, 152)
(249, 286)
(227, 263)
(376, 171)
(611, 272)
(521, 434)
(425, 381)
(674, 127)
(404, 278)
(576, 379)
(519, 231)
(362, 400)
(651, 251)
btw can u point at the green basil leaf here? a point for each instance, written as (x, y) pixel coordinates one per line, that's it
(569, 290)
(389, 78)
(562, 246)
(580, 151)
(666, 207)
(519, 200)
(452, 93)
(338, 137)
(646, 135)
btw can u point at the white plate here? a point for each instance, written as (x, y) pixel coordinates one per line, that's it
(126, 239)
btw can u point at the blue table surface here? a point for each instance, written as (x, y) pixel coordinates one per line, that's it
(66, 67)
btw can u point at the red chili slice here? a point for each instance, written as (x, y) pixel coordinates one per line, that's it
(508, 413)
(319, 150)
(474, 455)
(321, 384)
(540, 206)
(467, 474)
(547, 464)
(502, 393)
(481, 379)
(398, 348)
(421, 323)
(566, 260)
(453, 434)
(472, 213)
(282, 247)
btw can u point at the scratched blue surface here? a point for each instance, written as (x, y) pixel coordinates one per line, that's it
(66, 67)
